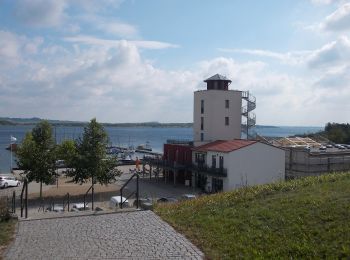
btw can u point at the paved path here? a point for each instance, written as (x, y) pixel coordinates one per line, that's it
(134, 235)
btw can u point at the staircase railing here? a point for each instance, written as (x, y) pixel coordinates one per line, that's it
(24, 203)
(246, 112)
(85, 195)
(131, 194)
(66, 201)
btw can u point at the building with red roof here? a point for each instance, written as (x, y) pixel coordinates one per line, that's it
(217, 160)
(224, 165)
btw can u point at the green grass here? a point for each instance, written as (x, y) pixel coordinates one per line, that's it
(305, 218)
(7, 229)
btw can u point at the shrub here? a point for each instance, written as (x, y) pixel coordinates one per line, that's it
(4, 210)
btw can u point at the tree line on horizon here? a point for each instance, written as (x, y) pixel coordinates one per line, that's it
(85, 158)
(34, 121)
(338, 133)
(335, 132)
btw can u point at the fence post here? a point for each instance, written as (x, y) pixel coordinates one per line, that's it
(22, 204)
(14, 202)
(92, 196)
(121, 198)
(68, 200)
(26, 199)
(137, 191)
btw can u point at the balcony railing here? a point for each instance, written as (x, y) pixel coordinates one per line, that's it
(220, 172)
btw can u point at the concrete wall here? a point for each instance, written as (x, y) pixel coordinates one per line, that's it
(301, 163)
(215, 113)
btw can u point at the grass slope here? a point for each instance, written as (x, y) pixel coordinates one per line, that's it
(7, 229)
(305, 218)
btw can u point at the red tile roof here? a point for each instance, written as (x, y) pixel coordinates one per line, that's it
(224, 146)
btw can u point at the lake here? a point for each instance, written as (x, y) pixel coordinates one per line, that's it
(125, 136)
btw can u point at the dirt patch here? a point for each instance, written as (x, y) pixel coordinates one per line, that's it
(73, 189)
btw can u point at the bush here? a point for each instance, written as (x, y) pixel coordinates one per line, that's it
(4, 210)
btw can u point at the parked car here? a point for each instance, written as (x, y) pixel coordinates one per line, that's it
(188, 197)
(115, 201)
(322, 148)
(166, 199)
(8, 181)
(339, 146)
(79, 206)
(144, 203)
(329, 146)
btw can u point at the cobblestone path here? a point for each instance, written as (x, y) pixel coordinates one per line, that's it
(134, 235)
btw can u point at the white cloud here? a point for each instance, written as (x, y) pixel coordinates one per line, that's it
(13, 47)
(111, 80)
(40, 13)
(331, 55)
(90, 40)
(118, 28)
(323, 2)
(292, 58)
(339, 20)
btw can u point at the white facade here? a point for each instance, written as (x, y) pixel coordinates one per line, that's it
(254, 164)
(216, 115)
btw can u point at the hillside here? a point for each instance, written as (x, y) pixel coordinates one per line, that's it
(306, 218)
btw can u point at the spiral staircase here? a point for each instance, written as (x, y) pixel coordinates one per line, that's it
(249, 117)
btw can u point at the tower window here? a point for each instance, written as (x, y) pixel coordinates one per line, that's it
(202, 106)
(227, 103)
(202, 137)
(227, 121)
(202, 123)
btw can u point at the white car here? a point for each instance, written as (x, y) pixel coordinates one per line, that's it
(188, 197)
(9, 181)
(115, 201)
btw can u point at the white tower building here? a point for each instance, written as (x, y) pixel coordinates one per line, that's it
(218, 111)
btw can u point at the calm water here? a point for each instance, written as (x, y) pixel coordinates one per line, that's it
(124, 136)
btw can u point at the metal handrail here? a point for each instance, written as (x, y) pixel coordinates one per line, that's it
(137, 191)
(86, 193)
(25, 205)
(66, 201)
(211, 170)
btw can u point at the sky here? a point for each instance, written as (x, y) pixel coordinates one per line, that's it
(141, 60)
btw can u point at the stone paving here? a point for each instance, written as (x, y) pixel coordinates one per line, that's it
(132, 235)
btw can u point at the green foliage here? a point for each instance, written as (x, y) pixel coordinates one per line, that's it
(67, 151)
(303, 218)
(90, 160)
(6, 234)
(4, 210)
(36, 155)
(338, 133)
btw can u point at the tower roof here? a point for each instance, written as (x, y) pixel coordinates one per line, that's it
(217, 77)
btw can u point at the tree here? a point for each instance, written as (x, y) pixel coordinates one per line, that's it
(90, 161)
(338, 133)
(67, 151)
(37, 156)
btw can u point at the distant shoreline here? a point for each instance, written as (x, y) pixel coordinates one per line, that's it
(34, 121)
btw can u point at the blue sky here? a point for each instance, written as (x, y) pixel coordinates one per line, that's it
(138, 60)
